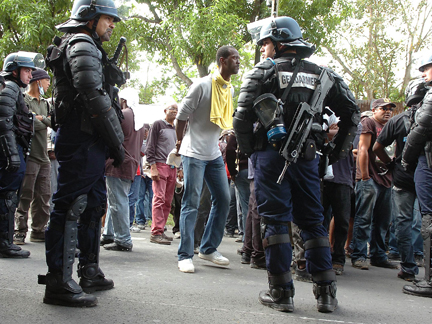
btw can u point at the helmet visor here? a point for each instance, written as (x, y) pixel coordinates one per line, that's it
(255, 27)
(28, 59)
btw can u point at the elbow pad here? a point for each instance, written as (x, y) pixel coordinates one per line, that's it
(244, 131)
(108, 126)
(420, 133)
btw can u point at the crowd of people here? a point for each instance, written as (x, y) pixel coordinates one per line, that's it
(294, 166)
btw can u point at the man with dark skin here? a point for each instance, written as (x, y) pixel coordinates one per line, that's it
(161, 141)
(201, 158)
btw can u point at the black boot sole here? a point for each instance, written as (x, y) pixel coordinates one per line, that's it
(279, 307)
(60, 302)
(414, 294)
(90, 290)
(8, 256)
(327, 308)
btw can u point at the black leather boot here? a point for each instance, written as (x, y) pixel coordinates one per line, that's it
(67, 293)
(278, 298)
(325, 295)
(10, 250)
(420, 288)
(93, 279)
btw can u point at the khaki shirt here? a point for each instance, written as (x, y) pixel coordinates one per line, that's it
(38, 150)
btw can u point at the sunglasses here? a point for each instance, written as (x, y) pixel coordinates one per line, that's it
(386, 108)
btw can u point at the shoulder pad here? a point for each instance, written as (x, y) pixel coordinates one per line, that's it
(336, 76)
(266, 64)
(82, 45)
(80, 37)
(11, 90)
(9, 99)
(12, 85)
(262, 71)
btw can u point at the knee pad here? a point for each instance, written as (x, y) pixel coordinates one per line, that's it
(426, 228)
(70, 235)
(11, 201)
(280, 280)
(275, 238)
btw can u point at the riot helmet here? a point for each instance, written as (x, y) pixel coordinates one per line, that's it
(425, 61)
(86, 10)
(15, 61)
(415, 92)
(286, 31)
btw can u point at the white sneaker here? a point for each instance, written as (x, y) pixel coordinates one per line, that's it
(186, 265)
(215, 257)
(177, 235)
(134, 229)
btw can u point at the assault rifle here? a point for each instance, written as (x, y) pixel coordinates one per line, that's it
(302, 123)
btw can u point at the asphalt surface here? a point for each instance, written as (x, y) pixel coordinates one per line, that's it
(150, 289)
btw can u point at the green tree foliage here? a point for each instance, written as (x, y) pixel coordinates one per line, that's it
(28, 25)
(375, 44)
(317, 18)
(185, 33)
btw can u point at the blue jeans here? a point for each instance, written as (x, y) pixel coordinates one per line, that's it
(416, 234)
(416, 228)
(392, 242)
(372, 220)
(133, 197)
(242, 184)
(404, 204)
(117, 218)
(214, 174)
(144, 204)
(232, 222)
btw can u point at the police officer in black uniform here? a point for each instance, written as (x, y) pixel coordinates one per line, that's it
(16, 128)
(417, 155)
(297, 197)
(87, 112)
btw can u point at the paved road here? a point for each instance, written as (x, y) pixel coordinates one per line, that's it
(150, 289)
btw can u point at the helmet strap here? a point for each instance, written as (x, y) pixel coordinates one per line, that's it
(93, 30)
(278, 52)
(17, 78)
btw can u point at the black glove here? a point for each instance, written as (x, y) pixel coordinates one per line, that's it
(409, 167)
(391, 165)
(118, 155)
(13, 163)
